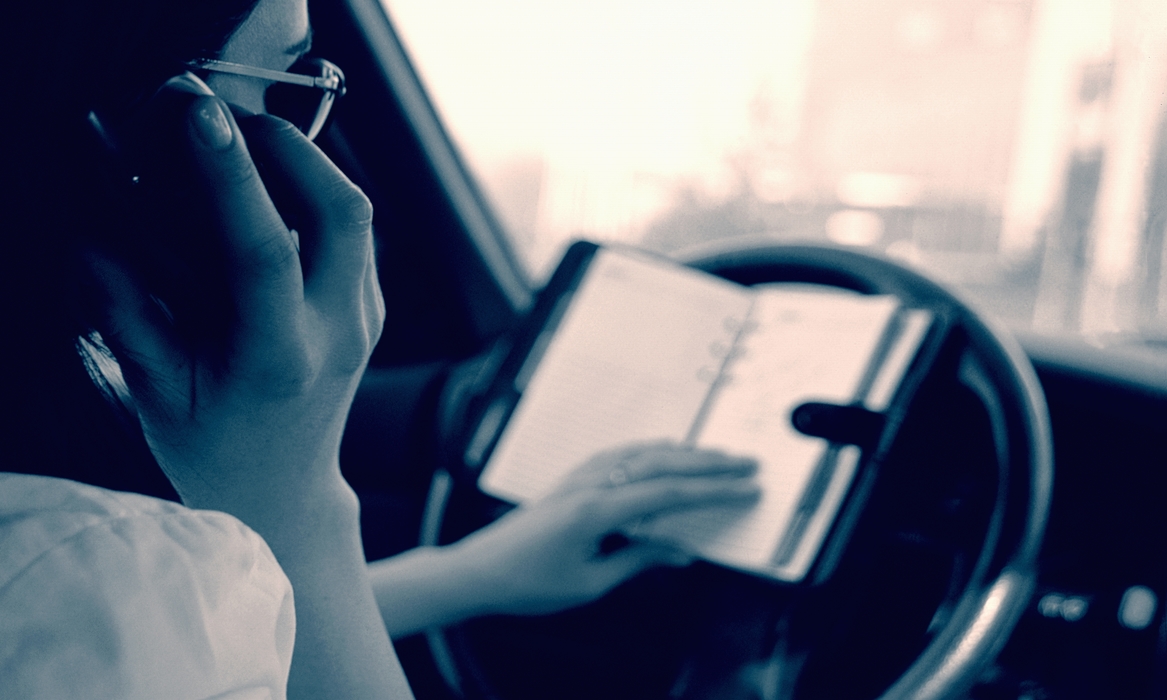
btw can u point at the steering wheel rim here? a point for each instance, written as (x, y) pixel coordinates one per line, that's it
(993, 601)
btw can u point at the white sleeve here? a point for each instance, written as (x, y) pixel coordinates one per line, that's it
(111, 595)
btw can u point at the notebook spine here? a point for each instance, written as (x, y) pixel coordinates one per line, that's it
(718, 375)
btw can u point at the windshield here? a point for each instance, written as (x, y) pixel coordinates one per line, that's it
(1013, 149)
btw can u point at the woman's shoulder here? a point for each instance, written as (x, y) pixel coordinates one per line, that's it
(110, 594)
(52, 509)
(39, 515)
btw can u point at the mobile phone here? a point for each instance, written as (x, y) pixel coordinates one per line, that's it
(156, 216)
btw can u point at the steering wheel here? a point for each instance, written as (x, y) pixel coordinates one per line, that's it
(939, 566)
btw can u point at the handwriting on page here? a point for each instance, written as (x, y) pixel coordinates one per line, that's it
(632, 361)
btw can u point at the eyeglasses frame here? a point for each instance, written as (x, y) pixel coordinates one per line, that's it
(332, 83)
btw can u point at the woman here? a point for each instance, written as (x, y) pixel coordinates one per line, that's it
(243, 407)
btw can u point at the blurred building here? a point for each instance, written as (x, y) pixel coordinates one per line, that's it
(1008, 146)
(915, 104)
(910, 132)
(1014, 148)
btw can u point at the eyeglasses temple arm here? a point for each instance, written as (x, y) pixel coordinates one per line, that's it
(326, 83)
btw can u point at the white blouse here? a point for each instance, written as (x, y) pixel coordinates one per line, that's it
(115, 595)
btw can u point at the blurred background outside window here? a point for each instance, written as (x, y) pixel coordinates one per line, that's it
(1014, 149)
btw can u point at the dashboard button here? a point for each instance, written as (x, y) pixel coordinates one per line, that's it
(1137, 608)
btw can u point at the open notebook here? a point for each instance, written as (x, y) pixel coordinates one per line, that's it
(638, 349)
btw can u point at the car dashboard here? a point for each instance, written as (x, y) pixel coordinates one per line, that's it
(1095, 627)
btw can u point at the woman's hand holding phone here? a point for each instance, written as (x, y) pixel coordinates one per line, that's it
(255, 416)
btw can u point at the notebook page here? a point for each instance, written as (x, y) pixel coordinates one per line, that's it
(806, 345)
(631, 361)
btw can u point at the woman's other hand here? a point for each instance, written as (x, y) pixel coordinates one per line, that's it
(251, 422)
(550, 555)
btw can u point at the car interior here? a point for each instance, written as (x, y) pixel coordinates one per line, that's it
(1012, 541)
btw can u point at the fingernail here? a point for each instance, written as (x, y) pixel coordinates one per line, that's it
(191, 83)
(212, 125)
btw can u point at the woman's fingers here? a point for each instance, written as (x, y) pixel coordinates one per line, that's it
(611, 509)
(651, 461)
(266, 279)
(333, 216)
(658, 461)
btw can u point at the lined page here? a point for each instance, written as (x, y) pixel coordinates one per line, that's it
(806, 346)
(632, 361)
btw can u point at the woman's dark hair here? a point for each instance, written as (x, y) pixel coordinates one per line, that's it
(62, 60)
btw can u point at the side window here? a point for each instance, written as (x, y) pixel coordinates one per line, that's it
(1012, 148)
